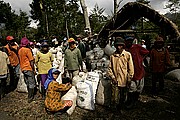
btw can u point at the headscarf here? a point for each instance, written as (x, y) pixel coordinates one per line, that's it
(24, 42)
(50, 77)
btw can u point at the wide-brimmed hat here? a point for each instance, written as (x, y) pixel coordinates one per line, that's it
(119, 41)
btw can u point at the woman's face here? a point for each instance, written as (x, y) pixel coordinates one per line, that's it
(55, 75)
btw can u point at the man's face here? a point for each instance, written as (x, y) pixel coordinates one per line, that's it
(120, 47)
(11, 42)
(128, 43)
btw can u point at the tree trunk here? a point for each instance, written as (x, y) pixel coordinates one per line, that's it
(85, 12)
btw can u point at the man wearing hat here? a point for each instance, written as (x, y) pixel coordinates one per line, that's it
(159, 60)
(4, 64)
(27, 67)
(72, 59)
(12, 51)
(121, 71)
(138, 54)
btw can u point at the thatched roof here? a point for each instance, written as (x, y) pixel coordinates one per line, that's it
(133, 11)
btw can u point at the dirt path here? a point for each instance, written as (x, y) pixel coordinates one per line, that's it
(165, 107)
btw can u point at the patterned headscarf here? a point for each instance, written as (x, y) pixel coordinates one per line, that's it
(50, 77)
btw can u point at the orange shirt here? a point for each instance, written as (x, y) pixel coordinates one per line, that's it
(13, 58)
(25, 56)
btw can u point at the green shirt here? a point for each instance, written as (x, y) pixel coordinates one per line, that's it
(72, 59)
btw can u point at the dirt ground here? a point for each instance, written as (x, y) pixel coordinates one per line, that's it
(166, 106)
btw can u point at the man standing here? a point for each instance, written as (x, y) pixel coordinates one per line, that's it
(159, 60)
(72, 59)
(121, 71)
(12, 52)
(81, 47)
(138, 54)
(27, 67)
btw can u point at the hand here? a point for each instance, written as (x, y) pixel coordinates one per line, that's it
(68, 85)
(114, 81)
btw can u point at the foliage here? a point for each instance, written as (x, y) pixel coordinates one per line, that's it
(173, 5)
(97, 19)
(15, 25)
(55, 17)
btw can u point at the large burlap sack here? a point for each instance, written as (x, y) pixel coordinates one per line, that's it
(103, 96)
(85, 96)
(21, 87)
(173, 75)
(71, 95)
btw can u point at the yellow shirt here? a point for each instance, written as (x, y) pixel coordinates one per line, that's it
(121, 68)
(44, 62)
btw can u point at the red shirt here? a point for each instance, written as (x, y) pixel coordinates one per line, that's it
(138, 53)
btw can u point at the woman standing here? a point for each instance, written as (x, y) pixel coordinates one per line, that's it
(43, 61)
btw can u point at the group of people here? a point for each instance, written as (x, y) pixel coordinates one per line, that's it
(125, 69)
(127, 72)
(29, 61)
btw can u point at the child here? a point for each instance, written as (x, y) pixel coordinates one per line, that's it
(121, 71)
(43, 61)
(53, 102)
(4, 62)
(159, 60)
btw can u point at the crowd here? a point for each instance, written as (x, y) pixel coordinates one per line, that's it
(51, 63)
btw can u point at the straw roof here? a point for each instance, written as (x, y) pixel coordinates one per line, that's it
(133, 11)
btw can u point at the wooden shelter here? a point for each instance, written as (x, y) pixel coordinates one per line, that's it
(132, 12)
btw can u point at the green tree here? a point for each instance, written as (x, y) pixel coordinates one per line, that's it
(97, 18)
(56, 17)
(174, 7)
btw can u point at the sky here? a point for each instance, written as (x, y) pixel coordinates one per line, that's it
(158, 5)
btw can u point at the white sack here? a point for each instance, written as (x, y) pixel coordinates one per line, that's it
(21, 87)
(85, 96)
(71, 95)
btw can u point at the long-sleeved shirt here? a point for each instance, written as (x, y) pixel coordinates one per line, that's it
(53, 96)
(159, 60)
(72, 59)
(121, 68)
(138, 53)
(4, 62)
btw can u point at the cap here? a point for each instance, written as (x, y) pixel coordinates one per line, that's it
(9, 38)
(44, 44)
(24, 42)
(70, 40)
(119, 41)
(159, 39)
